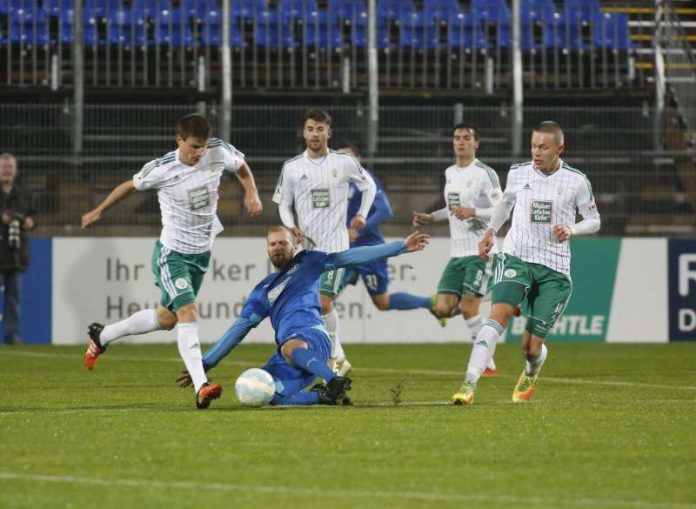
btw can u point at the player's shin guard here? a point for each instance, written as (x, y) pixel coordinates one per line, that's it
(402, 300)
(483, 350)
(190, 351)
(331, 323)
(140, 322)
(309, 361)
(533, 366)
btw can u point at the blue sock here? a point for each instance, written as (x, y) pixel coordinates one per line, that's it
(299, 398)
(310, 361)
(402, 300)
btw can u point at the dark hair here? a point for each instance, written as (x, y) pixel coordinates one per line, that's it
(193, 125)
(353, 146)
(550, 127)
(318, 115)
(468, 127)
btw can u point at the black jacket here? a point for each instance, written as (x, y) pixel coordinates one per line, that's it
(19, 203)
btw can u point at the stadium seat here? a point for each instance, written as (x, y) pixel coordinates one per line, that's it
(539, 24)
(575, 26)
(495, 18)
(611, 31)
(465, 31)
(347, 12)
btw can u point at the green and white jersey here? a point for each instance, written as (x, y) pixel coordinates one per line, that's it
(475, 185)
(318, 189)
(542, 201)
(188, 195)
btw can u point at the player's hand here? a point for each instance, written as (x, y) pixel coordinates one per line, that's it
(90, 218)
(417, 241)
(421, 218)
(486, 244)
(358, 221)
(561, 232)
(352, 234)
(463, 213)
(184, 380)
(253, 204)
(299, 235)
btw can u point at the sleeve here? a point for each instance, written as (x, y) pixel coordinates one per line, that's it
(252, 314)
(511, 188)
(440, 214)
(381, 210)
(149, 177)
(369, 190)
(585, 200)
(491, 190)
(358, 255)
(284, 192)
(234, 159)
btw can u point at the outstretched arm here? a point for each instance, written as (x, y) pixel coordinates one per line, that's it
(415, 242)
(232, 337)
(118, 194)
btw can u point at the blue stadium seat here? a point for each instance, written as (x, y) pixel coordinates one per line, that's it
(172, 25)
(126, 27)
(351, 11)
(611, 31)
(491, 11)
(539, 24)
(466, 31)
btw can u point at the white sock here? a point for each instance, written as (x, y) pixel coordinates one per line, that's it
(534, 366)
(474, 323)
(190, 351)
(482, 352)
(331, 323)
(139, 322)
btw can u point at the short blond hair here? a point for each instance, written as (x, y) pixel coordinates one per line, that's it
(550, 127)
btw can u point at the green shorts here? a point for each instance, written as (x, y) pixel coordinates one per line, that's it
(465, 275)
(547, 291)
(178, 276)
(331, 282)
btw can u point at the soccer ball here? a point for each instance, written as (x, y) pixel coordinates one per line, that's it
(255, 387)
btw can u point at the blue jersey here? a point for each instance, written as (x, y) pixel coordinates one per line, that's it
(290, 297)
(379, 212)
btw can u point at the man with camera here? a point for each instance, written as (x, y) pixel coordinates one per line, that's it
(17, 218)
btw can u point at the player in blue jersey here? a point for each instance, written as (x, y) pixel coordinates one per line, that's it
(373, 274)
(290, 298)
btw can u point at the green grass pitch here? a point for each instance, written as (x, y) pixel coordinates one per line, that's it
(610, 426)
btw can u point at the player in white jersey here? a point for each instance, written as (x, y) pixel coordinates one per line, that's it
(316, 185)
(471, 190)
(187, 182)
(535, 264)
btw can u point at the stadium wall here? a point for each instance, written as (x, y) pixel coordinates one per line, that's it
(625, 290)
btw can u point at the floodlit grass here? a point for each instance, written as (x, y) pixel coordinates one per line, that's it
(611, 426)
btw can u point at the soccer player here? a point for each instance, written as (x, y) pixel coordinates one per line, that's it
(316, 184)
(290, 298)
(535, 263)
(187, 182)
(374, 274)
(471, 190)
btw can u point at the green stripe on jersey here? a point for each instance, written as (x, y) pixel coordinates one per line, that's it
(352, 157)
(519, 165)
(217, 142)
(490, 171)
(293, 159)
(566, 166)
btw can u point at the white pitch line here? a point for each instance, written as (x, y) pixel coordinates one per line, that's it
(343, 494)
(425, 372)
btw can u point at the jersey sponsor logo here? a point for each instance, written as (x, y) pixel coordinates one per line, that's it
(510, 273)
(199, 198)
(453, 200)
(321, 198)
(181, 283)
(540, 211)
(275, 293)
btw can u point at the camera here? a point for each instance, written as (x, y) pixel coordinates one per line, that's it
(14, 232)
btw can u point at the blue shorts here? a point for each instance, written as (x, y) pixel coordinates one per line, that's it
(374, 275)
(290, 379)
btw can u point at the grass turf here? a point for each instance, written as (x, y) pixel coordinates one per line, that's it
(610, 426)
